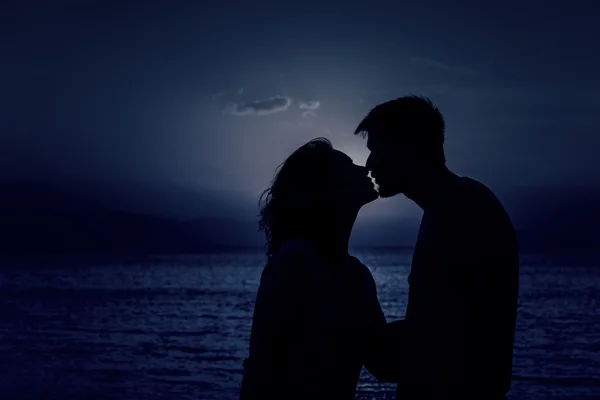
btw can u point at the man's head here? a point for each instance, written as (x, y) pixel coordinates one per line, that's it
(406, 140)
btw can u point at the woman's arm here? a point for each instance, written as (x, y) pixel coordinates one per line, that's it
(276, 304)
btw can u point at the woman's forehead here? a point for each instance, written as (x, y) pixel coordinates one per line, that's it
(342, 157)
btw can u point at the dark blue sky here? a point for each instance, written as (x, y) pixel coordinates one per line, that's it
(217, 95)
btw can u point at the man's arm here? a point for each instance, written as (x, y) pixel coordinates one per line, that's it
(436, 305)
(387, 355)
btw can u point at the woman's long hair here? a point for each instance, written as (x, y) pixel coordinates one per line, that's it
(294, 205)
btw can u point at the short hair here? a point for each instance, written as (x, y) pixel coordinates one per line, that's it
(408, 120)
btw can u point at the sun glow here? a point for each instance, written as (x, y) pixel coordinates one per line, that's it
(358, 155)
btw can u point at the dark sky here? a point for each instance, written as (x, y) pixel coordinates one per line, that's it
(217, 95)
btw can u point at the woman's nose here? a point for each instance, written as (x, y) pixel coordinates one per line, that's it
(363, 170)
(369, 163)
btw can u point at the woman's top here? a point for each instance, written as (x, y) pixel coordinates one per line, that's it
(314, 326)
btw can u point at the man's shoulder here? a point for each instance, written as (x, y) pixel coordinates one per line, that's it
(481, 214)
(472, 197)
(470, 208)
(474, 186)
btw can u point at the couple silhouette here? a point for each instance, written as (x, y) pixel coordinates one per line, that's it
(317, 320)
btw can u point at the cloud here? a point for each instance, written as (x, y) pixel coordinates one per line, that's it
(308, 114)
(218, 95)
(428, 62)
(270, 105)
(227, 93)
(309, 105)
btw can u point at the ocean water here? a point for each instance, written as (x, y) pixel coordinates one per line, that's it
(177, 327)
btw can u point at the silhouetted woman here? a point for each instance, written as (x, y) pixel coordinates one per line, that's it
(316, 311)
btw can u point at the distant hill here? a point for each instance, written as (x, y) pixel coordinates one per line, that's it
(140, 217)
(556, 218)
(54, 217)
(164, 199)
(385, 232)
(150, 218)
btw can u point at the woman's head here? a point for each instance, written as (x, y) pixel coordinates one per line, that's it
(314, 183)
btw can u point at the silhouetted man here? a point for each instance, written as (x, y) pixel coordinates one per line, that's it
(457, 337)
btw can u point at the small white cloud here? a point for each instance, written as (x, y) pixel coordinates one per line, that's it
(240, 90)
(218, 95)
(308, 114)
(270, 105)
(309, 105)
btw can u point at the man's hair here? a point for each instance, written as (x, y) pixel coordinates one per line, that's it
(412, 120)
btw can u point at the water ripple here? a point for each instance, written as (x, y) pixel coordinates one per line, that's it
(178, 327)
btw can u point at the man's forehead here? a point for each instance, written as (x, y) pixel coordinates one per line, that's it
(369, 140)
(373, 140)
(381, 141)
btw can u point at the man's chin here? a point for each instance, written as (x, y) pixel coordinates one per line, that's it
(374, 196)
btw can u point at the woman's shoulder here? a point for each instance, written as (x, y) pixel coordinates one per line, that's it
(292, 257)
(356, 263)
(360, 268)
(296, 250)
(294, 247)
